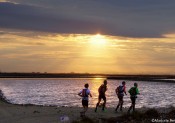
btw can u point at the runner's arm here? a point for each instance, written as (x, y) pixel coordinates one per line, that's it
(90, 94)
(129, 91)
(137, 90)
(125, 90)
(80, 93)
(116, 90)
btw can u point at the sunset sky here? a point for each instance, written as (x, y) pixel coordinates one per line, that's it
(88, 36)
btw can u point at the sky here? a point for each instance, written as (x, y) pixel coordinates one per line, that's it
(87, 36)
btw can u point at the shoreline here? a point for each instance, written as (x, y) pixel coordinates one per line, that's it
(14, 113)
(110, 78)
(17, 113)
(28, 113)
(151, 78)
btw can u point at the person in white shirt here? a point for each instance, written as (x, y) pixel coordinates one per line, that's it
(85, 93)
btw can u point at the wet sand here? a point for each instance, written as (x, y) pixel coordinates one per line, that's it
(10, 113)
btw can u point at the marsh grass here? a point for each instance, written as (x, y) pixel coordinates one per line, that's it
(134, 117)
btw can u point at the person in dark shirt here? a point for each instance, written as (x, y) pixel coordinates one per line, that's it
(102, 89)
(120, 91)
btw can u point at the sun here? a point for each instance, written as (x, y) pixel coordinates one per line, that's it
(98, 39)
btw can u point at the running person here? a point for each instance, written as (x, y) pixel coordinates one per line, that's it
(133, 95)
(120, 91)
(85, 93)
(102, 89)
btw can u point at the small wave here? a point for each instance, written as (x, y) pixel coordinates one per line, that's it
(3, 98)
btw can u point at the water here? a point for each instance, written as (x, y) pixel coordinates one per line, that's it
(63, 92)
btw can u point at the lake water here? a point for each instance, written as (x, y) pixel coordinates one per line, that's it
(63, 92)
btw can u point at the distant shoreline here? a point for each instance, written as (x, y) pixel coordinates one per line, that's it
(151, 78)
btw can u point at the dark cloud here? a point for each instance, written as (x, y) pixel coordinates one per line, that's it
(132, 19)
(31, 18)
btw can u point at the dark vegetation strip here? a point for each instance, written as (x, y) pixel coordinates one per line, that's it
(151, 78)
(149, 116)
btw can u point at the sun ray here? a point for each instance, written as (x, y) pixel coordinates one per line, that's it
(98, 40)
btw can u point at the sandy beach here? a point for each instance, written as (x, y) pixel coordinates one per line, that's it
(10, 113)
(28, 113)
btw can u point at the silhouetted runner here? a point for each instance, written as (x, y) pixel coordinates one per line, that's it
(133, 95)
(101, 90)
(120, 91)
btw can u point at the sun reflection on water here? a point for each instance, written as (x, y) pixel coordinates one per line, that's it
(96, 82)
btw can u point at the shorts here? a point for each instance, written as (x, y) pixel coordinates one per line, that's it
(102, 97)
(85, 102)
(120, 97)
(133, 100)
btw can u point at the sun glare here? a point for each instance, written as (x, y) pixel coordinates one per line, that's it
(98, 40)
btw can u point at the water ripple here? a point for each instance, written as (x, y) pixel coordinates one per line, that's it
(63, 92)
